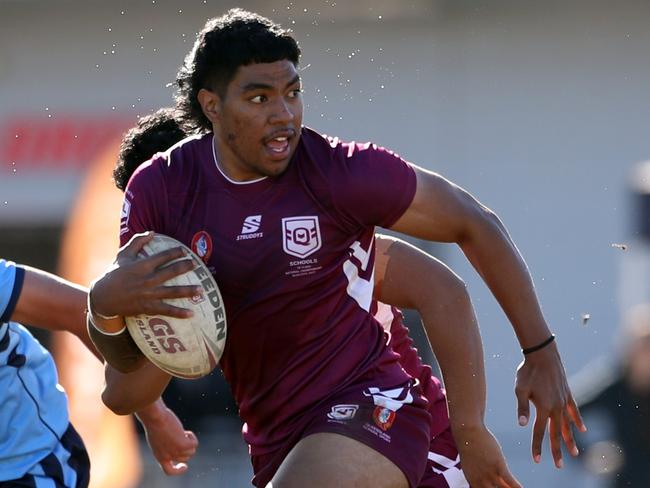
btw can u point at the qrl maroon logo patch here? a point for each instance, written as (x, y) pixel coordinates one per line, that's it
(301, 236)
(202, 245)
(383, 417)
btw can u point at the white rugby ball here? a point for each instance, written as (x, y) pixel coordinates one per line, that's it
(186, 348)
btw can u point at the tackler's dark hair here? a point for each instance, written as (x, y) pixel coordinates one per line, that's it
(152, 134)
(237, 38)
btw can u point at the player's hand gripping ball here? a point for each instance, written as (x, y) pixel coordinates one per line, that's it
(186, 348)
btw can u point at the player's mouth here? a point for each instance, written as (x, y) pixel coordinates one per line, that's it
(278, 146)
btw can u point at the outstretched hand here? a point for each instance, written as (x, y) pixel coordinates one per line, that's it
(482, 460)
(170, 443)
(541, 380)
(134, 286)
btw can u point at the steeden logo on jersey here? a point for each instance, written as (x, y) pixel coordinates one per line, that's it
(250, 228)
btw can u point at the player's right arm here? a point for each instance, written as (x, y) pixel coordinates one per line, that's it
(407, 277)
(441, 211)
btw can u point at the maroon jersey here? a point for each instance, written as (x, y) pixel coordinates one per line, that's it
(392, 320)
(293, 256)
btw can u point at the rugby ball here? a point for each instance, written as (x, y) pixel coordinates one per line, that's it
(186, 348)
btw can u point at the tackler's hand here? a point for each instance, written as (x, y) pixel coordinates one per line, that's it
(170, 443)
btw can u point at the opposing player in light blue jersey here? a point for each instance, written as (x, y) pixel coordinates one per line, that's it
(38, 444)
(39, 447)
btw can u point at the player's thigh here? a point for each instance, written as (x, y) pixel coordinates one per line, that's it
(327, 460)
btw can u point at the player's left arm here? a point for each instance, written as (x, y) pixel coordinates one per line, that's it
(442, 211)
(407, 277)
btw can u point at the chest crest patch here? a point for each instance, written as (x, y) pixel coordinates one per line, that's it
(301, 236)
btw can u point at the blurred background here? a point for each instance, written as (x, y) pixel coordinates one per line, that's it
(540, 109)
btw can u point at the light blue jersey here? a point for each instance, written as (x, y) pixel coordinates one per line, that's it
(35, 437)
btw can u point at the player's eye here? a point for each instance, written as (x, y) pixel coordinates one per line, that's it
(295, 93)
(259, 99)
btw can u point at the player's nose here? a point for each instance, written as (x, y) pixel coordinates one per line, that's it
(283, 113)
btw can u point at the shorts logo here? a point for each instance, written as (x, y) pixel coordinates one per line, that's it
(343, 412)
(301, 236)
(383, 417)
(202, 245)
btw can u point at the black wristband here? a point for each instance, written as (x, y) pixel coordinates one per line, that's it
(118, 350)
(542, 345)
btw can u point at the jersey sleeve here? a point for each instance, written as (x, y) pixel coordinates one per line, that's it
(371, 185)
(145, 201)
(11, 284)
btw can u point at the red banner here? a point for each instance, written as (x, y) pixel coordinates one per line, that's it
(32, 144)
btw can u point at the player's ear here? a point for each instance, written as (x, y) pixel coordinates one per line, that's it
(210, 103)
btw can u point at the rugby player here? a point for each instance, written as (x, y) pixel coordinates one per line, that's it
(38, 444)
(299, 291)
(438, 294)
(451, 316)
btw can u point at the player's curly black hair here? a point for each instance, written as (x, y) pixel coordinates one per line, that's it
(237, 38)
(152, 134)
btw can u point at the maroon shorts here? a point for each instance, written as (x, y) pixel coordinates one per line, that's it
(443, 468)
(393, 421)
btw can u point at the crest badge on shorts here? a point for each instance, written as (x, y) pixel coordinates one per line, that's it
(202, 245)
(383, 417)
(301, 236)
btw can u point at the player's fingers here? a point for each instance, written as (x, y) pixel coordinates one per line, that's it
(538, 435)
(173, 468)
(567, 435)
(185, 455)
(191, 437)
(162, 308)
(523, 406)
(555, 437)
(135, 245)
(574, 413)
(506, 480)
(188, 448)
(181, 291)
(160, 259)
(505, 477)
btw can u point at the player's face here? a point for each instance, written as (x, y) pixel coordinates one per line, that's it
(257, 125)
